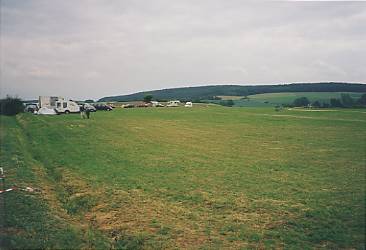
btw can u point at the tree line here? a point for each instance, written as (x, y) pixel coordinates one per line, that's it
(212, 92)
(346, 101)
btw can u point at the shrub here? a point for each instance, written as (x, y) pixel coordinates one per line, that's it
(334, 102)
(325, 105)
(301, 102)
(11, 106)
(362, 100)
(228, 103)
(347, 100)
(316, 104)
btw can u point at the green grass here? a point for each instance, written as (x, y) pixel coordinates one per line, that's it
(207, 177)
(272, 99)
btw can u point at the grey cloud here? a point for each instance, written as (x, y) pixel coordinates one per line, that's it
(94, 48)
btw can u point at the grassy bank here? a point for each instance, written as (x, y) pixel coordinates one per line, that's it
(208, 177)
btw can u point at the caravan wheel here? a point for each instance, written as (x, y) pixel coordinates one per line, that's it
(67, 112)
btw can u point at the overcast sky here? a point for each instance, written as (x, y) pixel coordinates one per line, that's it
(94, 48)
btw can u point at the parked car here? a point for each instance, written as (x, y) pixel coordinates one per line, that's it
(156, 104)
(31, 107)
(142, 105)
(103, 107)
(89, 107)
(129, 105)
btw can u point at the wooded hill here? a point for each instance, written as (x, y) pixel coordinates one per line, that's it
(210, 92)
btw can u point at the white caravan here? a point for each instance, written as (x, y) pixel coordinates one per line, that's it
(59, 104)
(188, 105)
(67, 107)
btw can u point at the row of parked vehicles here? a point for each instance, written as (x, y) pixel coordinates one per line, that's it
(58, 105)
(51, 105)
(175, 103)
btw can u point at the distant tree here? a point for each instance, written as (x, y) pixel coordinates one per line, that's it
(148, 98)
(347, 100)
(316, 104)
(89, 101)
(287, 105)
(278, 108)
(362, 100)
(227, 103)
(11, 106)
(230, 103)
(336, 103)
(325, 105)
(301, 102)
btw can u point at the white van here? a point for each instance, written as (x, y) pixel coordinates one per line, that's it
(173, 103)
(188, 105)
(67, 107)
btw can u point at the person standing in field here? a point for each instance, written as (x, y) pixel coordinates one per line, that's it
(87, 111)
(82, 111)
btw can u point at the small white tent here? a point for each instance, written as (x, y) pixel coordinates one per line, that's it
(46, 111)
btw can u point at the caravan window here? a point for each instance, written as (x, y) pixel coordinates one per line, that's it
(65, 105)
(58, 105)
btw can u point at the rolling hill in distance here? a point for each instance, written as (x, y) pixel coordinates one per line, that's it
(210, 92)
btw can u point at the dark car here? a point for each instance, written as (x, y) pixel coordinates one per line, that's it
(103, 107)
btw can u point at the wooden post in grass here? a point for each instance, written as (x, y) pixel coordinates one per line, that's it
(2, 208)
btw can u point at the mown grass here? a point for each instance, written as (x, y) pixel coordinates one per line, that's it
(207, 177)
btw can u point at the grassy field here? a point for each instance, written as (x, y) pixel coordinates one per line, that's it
(272, 99)
(200, 178)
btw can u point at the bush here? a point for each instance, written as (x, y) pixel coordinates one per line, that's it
(347, 100)
(325, 105)
(301, 102)
(362, 100)
(11, 106)
(316, 104)
(334, 102)
(228, 103)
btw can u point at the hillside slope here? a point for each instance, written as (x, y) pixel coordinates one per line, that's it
(208, 92)
(287, 98)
